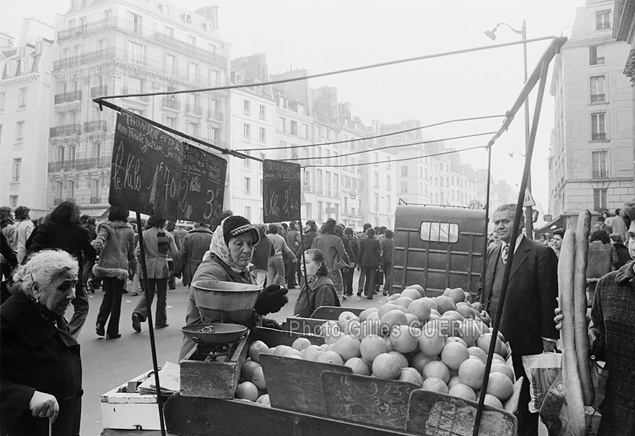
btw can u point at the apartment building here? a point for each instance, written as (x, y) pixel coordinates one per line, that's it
(127, 47)
(25, 95)
(591, 156)
(253, 129)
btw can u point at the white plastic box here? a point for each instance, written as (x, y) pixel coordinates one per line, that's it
(123, 408)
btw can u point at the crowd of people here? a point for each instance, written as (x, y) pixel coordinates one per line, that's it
(50, 264)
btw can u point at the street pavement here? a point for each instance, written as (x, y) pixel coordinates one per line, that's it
(110, 363)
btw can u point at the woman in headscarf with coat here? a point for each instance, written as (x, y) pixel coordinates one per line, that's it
(228, 260)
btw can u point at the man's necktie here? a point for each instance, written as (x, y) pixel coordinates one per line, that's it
(504, 253)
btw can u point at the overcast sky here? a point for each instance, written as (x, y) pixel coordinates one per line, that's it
(327, 35)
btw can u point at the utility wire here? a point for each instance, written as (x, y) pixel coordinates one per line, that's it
(398, 132)
(431, 141)
(329, 73)
(397, 160)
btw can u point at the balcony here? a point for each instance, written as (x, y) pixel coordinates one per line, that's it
(191, 109)
(170, 102)
(80, 164)
(97, 125)
(98, 91)
(86, 58)
(95, 200)
(191, 50)
(67, 130)
(143, 98)
(68, 97)
(87, 29)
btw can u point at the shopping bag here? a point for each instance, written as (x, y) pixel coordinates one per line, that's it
(542, 370)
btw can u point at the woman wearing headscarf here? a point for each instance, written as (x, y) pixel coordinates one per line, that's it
(320, 290)
(40, 365)
(62, 229)
(158, 244)
(227, 260)
(115, 245)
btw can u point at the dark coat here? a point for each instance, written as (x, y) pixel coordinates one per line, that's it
(307, 240)
(36, 355)
(319, 292)
(73, 238)
(352, 255)
(613, 322)
(531, 296)
(623, 257)
(193, 248)
(369, 253)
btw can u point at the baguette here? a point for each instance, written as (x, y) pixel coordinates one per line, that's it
(570, 373)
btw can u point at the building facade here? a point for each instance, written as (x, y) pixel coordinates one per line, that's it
(25, 96)
(126, 47)
(591, 155)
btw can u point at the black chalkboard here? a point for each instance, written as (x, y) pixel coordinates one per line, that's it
(281, 191)
(202, 186)
(146, 168)
(368, 400)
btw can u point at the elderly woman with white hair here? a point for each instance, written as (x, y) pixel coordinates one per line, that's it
(40, 365)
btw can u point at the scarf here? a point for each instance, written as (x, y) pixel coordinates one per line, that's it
(221, 250)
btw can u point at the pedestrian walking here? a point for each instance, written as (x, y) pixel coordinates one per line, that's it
(115, 245)
(159, 245)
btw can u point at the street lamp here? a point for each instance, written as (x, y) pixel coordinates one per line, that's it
(491, 34)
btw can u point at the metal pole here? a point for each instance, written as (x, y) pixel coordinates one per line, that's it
(528, 211)
(153, 346)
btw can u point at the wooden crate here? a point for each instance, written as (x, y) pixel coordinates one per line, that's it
(212, 379)
(123, 408)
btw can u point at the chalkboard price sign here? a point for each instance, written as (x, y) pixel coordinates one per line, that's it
(146, 168)
(202, 186)
(281, 191)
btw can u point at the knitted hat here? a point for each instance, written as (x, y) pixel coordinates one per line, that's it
(237, 225)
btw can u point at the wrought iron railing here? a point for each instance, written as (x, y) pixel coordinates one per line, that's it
(67, 97)
(92, 126)
(66, 130)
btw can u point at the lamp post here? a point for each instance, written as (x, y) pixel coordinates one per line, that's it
(491, 34)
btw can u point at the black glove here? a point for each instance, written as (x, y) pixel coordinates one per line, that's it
(271, 299)
(271, 323)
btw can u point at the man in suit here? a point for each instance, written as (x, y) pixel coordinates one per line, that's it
(527, 317)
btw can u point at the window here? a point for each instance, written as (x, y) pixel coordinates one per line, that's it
(263, 112)
(319, 183)
(603, 20)
(192, 72)
(70, 189)
(282, 124)
(95, 196)
(305, 131)
(22, 97)
(13, 200)
(15, 171)
(247, 185)
(600, 169)
(1, 101)
(598, 126)
(247, 131)
(597, 89)
(97, 149)
(404, 171)
(247, 162)
(376, 179)
(212, 133)
(596, 55)
(328, 182)
(170, 64)
(60, 189)
(388, 182)
(169, 121)
(262, 135)
(134, 22)
(136, 53)
(247, 107)
(135, 85)
(248, 213)
(193, 129)
(294, 127)
(404, 187)
(19, 131)
(599, 199)
(388, 203)
(439, 232)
